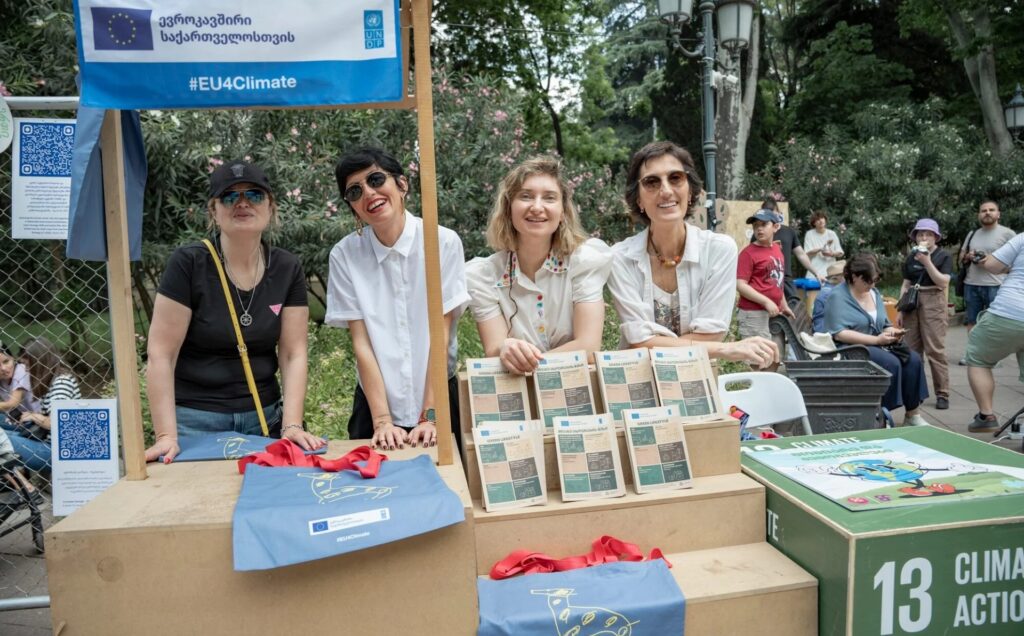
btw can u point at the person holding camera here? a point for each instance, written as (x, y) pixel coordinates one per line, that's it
(980, 285)
(999, 332)
(927, 270)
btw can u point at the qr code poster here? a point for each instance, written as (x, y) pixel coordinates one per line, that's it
(41, 178)
(84, 447)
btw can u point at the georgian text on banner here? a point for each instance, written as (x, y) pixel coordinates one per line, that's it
(188, 54)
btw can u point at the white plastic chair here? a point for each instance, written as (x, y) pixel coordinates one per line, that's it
(771, 398)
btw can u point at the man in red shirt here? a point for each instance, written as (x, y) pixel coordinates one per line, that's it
(759, 277)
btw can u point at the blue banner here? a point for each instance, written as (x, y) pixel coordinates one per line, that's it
(291, 515)
(230, 445)
(635, 598)
(137, 54)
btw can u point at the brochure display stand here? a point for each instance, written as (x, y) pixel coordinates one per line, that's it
(712, 532)
(909, 531)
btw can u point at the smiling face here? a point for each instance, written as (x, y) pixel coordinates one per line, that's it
(381, 206)
(664, 190)
(536, 209)
(242, 216)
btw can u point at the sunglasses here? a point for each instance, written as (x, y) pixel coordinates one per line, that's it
(652, 183)
(355, 191)
(254, 196)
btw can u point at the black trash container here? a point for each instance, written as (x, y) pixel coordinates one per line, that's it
(840, 395)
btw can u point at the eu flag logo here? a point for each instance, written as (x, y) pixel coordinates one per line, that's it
(116, 29)
(319, 526)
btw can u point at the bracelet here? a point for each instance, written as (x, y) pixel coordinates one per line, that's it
(377, 425)
(285, 428)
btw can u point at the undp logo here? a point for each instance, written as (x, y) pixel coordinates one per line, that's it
(373, 29)
(117, 29)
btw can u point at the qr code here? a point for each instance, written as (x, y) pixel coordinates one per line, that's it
(84, 434)
(44, 150)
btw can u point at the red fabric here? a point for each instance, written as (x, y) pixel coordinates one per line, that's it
(606, 549)
(764, 268)
(285, 452)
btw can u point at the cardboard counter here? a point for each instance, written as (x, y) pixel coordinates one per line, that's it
(945, 565)
(155, 557)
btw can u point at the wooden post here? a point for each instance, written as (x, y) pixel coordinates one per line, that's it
(438, 369)
(119, 282)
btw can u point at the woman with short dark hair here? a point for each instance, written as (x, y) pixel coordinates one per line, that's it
(821, 245)
(377, 290)
(855, 314)
(673, 283)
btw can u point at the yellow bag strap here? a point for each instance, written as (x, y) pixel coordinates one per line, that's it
(242, 350)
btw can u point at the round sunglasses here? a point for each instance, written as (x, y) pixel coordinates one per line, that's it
(254, 196)
(355, 191)
(652, 183)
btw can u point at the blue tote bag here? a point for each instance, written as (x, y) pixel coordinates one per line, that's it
(291, 514)
(613, 599)
(227, 445)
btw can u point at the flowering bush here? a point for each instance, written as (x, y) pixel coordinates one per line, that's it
(899, 164)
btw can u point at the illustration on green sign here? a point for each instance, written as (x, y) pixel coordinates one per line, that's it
(888, 473)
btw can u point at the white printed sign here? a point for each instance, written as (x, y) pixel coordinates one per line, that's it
(41, 178)
(84, 451)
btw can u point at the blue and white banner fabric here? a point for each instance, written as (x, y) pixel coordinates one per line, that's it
(190, 54)
(288, 515)
(229, 445)
(634, 598)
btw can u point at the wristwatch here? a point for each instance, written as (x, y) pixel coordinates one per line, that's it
(428, 415)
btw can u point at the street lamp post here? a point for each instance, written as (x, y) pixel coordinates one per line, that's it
(734, 20)
(1013, 113)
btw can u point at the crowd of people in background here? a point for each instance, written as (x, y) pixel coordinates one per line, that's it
(542, 290)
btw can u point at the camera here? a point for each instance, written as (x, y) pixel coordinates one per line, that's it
(978, 257)
(920, 249)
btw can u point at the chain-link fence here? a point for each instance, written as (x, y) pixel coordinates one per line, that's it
(47, 303)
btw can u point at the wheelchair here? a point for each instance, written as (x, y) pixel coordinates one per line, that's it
(15, 497)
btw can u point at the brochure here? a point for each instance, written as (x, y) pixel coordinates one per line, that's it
(495, 394)
(562, 382)
(684, 378)
(626, 379)
(588, 457)
(511, 460)
(657, 448)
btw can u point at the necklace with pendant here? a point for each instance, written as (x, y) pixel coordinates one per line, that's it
(246, 318)
(665, 262)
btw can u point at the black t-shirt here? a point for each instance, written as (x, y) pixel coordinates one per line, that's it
(912, 269)
(209, 374)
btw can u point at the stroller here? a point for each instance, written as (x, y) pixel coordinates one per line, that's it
(15, 496)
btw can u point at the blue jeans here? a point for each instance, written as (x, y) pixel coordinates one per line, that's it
(977, 298)
(196, 422)
(908, 386)
(35, 455)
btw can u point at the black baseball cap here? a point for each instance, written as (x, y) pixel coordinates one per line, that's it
(231, 172)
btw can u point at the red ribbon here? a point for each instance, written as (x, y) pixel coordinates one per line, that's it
(284, 452)
(606, 549)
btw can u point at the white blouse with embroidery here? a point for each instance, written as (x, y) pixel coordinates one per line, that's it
(538, 311)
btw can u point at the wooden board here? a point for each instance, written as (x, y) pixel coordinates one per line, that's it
(155, 557)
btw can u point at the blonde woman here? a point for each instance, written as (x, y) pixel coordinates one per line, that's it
(542, 289)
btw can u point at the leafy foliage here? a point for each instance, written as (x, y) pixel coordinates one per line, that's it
(898, 164)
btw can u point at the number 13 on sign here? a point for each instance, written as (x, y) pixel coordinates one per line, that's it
(916, 615)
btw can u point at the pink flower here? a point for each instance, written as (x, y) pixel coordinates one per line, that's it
(4, 91)
(500, 115)
(295, 132)
(269, 136)
(413, 167)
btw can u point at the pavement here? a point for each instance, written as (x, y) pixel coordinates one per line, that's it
(23, 573)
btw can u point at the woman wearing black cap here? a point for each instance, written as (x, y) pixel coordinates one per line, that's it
(195, 377)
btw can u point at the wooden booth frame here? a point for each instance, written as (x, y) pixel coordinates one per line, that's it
(414, 13)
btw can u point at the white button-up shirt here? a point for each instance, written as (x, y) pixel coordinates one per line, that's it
(386, 288)
(706, 278)
(538, 311)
